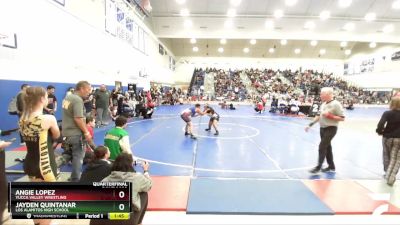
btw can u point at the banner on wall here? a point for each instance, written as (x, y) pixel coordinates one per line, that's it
(141, 40)
(367, 64)
(110, 15)
(120, 23)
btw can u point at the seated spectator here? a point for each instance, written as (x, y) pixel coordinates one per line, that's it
(149, 110)
(113, 110)
(294, 106)
(99, 167)
(117, 139)
(282, 105)
(122, 170)
(274, 105)
(89, 145)
(349, 105)
(128, 109)
(259, 107)
(224, 105)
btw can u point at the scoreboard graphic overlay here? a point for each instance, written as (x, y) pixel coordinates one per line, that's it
(62, 200)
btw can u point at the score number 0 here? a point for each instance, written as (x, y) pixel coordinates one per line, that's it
(121, 195)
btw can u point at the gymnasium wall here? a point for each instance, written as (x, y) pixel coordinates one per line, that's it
(56, 46)
(385, 72)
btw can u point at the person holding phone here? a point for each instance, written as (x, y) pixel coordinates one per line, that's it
(123, 170)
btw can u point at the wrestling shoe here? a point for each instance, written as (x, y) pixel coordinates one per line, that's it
(328, 170)
(315, 170)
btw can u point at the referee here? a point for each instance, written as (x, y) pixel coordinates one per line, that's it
(331, 113)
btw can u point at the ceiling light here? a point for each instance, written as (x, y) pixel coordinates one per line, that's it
(236, 2)
(396, 4)
(324, 15)
(322, 51)
(297, 51)
(313, 43)
(231, 13)
(271, 50)
(343, 44)
(349, 26)
(228, 24)
(269, 24)
(246, 50)
(372, 44)
(370, 17)
(344, 3)
(193, 41)
(347, 52)
(309, 25)
(388, 28)
(180, 2)
(253, 41)
(188, 24)
(283, 42)
(220, 50)
(185, 12)
(290, 2)
(278, 13)
(195, 49)
(222, 41)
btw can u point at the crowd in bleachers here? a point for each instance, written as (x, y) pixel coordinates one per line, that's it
(282, 85)
(228, 85)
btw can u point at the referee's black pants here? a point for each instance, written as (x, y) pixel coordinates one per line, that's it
(325, 147)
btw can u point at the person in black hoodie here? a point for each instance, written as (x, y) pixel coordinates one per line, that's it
(99, 168)
(389, 128)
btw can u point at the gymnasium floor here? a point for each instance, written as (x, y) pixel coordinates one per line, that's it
(256, 157)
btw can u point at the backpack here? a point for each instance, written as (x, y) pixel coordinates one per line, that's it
(12, 106)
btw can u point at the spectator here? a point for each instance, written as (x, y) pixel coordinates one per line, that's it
(38, 132)
(389, 128)
(20, 107)
(88, 102)
(122, 170)
(74, 126)
(89, 144)
(102, 105)
(51, 107)
(259, 107)
(3, 178)
(117, 139)
(99, 167)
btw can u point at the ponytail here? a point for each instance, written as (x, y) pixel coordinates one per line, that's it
(31, 97)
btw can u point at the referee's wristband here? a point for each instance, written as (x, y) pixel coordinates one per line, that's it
(311, 124)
